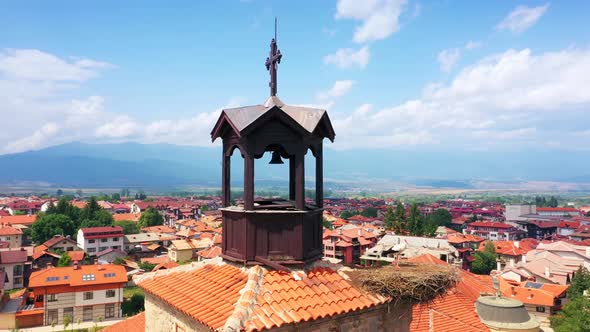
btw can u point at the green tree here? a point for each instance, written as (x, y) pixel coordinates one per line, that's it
(484, 261)
(441, 217)
(369, 212)
(148, 267)
(48, 225)
(64, 260)
(415, 221)
(580, 282)
(347, 214)
(59, 192)
(389, 218)
(129, 227)
(574, 317)
(553, 202)
(399, 217)
(328, 224)
(79, 193)
(150, 217)
(133, 305)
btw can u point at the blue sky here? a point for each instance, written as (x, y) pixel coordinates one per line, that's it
(420, 75)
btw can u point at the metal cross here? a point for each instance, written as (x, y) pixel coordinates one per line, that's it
(272, 60)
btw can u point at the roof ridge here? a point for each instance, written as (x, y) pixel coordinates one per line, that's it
(246, 301)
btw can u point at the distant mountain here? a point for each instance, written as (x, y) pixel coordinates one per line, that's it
(165, 165)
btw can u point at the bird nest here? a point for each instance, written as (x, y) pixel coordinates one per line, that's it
(413, 283)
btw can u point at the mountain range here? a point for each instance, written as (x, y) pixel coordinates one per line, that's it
(166, 165)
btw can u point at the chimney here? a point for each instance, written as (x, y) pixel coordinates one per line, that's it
(517, 244)
(96, 261)
(524, 259)
(498, 266)
(49, 265)
(587, 251)
(511, 262)
(547, 272)
(512, 292)
(360, 232)
(340, 231)
(76, 265)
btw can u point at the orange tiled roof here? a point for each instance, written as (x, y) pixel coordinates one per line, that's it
(543, 296)
(126, 216)
(131, 324)
(457, 238)
(76, 255)
(207, 294)
(212, 252)
(450, 313)
(39, 251)
(214, 294)
(9, 230)
(76, 277)
(23, 220)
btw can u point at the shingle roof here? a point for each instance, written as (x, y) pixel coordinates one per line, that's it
(221, 295)
(13, 256)
(83, 275)
(9, 230)
(57, 239)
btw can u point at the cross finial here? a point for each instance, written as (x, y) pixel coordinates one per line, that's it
(272, 61)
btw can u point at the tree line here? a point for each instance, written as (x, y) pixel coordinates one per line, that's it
(66, 219)
(415, 223)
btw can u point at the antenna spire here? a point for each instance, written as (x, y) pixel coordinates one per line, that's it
(272, 62)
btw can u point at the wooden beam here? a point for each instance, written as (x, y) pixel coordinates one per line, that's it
(272, 264)
(225, 180)
(292, 178)
(248, 182)
(319, 177)
(300, 181)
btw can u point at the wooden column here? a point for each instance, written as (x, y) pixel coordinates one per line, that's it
(225, 180)
(300, 180)
(292, 166)
(248, 182)
(319, 177)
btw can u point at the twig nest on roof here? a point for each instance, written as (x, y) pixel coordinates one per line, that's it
(414, 283)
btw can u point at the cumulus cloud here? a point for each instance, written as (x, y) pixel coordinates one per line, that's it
(508, 97)
(348, 57)
(339, 89)
(522, 18)
(35, 65)
(379, 18)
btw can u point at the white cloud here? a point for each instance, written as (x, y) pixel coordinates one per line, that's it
(522, 18)
(448, 59)
(35, 65)
(471, 45)
(380, 18)
(509, 98)
(348, 57)
(339, 89)
(38, 138)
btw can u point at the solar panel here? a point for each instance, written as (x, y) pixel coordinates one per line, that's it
(530, 284)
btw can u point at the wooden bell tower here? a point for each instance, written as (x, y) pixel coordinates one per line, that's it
(273, 232)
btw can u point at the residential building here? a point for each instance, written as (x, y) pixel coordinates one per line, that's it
(61, 243)
(16, 266)
(11, 235)
(515, 212)
(96, 239)
(185, 250)
(347, 245)
(540, 299)
(84, 292)
(540, 229)
(494, 231)
(146, 241)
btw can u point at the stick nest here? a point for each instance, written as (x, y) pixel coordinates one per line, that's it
(413, 283)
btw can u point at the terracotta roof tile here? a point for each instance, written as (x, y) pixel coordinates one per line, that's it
(131, 324)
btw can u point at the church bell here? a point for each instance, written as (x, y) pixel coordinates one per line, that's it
(276, 158)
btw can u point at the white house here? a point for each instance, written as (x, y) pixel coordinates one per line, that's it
(96, 239)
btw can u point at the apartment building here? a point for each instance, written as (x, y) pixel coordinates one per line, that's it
(11, 235)
(96, 239)
(16, 266)
(85, 292)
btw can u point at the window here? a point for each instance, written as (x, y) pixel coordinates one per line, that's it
(39, 298)
(115, 247)
(110, 293)
(91, 249)
(540, 309)
(88, 296)
(87, 314)
(103, 248)
(115, 239)
(91, 241)
(88, 277)
(110, 275)
(109, 310)
(104, 240)
(69, 312)
(18, 280)
(52, 316)
(51, 298)
(70, 249)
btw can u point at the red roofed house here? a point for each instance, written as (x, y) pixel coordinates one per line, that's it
(455, 310)
(12, 235)
(347, 245)
(15, 264)
(84, 292)
(494, 230)
(540, 299)
(509, 253)
(96, 239)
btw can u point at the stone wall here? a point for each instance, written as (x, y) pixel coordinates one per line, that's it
(160, 317)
